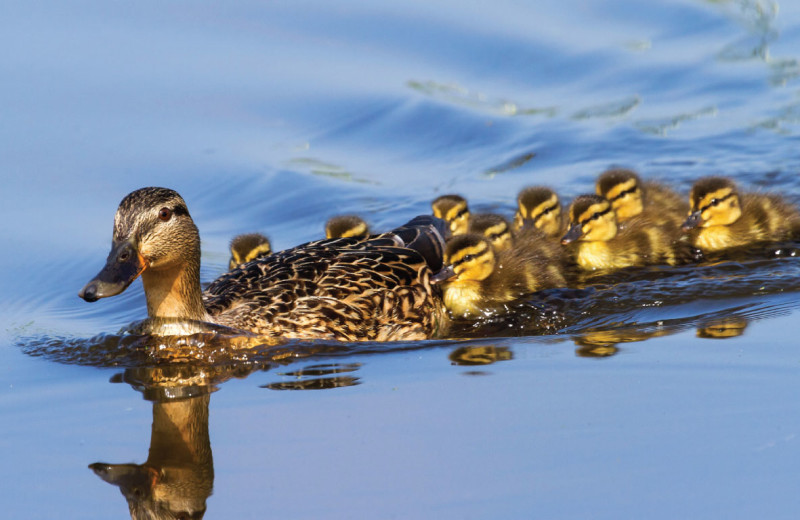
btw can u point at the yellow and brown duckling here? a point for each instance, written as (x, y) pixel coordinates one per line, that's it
(722, 218)
(476, 280)
(454, 210)
(494, 227)
(346, 226)
(598, 243)
(630, 197)
(247, 247)
(539, 206)
(342, 289)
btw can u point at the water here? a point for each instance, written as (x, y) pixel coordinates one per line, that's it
(275, 117)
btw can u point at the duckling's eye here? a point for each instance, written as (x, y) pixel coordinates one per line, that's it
(468, 258)
(715, 202)
(165, 214)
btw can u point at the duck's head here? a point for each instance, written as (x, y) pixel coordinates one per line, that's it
(467, 258)
(623, 188)
(540, 206)
(714, 202)
(454, 210)
(592, 219)
(152, 231)
(346, 226)
(250, 246)
(494, 227)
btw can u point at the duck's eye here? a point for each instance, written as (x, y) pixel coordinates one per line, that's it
(715, 202)
(165, 214)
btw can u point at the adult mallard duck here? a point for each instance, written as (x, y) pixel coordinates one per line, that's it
(346, 226)
(599, 244)
(722, 218)
(343, 289)
(247, 247)
(454, 210)
(630, 197)
(477, 280)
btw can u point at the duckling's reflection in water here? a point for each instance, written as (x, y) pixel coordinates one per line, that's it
(178, 475)
(603, 343)
(480, 355)
(723, 328)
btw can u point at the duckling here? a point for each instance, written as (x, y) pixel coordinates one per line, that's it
(722, 218)
(477, 280)
(454, 210)
(494, 227)
(541, 207)
(248, 247)
(528, 241)
(630, 197)
(341, 289)
(599, 244)
(346, 226)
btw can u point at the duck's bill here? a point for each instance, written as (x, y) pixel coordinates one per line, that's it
(573, 234)
(123, 266)
(444, 274)
(694, 220)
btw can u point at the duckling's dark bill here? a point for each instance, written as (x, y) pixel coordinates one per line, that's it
(123, 266)
(694, 220)
(444, 274)
(573, 234)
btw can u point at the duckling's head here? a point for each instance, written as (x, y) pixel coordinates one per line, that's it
(623, 188)
(467, 258)
(346, 226)
(494, 227)
(715, 202)
(245, 248)
(454, 210)
(540, 206)
(592, 219)
(152, 231)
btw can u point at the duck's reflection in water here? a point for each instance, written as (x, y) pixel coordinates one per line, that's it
(316, 377)
(722, 328)
(178, 476)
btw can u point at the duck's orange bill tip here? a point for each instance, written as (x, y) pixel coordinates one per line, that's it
(123, 266)
(573, 234)
(695, 219)
(444, 274)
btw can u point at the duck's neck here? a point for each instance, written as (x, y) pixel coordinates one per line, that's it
(174, 292)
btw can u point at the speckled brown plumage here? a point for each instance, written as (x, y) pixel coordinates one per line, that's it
(333, 289)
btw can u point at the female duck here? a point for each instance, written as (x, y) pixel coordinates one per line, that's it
(722, 218)
(341, 289)
(599, 244)
(476, 279)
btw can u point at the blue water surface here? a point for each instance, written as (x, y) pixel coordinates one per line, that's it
(275, 116)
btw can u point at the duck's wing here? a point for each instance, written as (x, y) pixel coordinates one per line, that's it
(338, 288)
